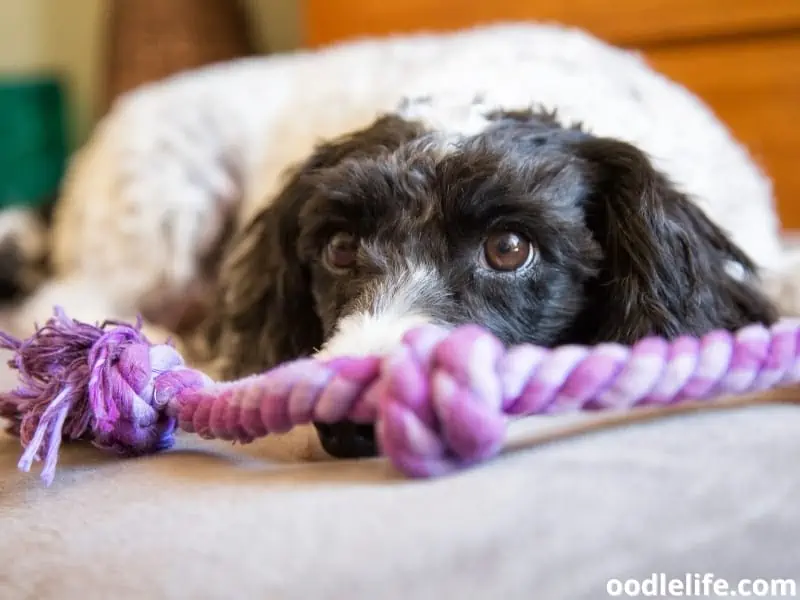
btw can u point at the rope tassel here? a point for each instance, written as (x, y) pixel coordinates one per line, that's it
(440, 402)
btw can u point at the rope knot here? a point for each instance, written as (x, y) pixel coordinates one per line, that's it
(105, 383)
(130, 385)
(442, 401)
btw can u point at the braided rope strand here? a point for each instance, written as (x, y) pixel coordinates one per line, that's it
(573, 378)
(440, 401)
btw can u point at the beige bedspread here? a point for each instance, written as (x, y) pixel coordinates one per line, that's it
(714, 492)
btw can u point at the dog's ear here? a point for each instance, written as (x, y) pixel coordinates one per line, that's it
(667, 268)
(265, 311)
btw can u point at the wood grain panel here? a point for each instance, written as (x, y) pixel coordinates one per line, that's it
(626, 22)
(754, 87)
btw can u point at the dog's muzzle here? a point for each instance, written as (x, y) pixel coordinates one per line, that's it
(347, 439)
(371, 332)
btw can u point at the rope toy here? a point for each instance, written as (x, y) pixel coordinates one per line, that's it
(440, 401)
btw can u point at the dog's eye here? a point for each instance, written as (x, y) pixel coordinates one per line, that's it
(507, 251)
(342, 251)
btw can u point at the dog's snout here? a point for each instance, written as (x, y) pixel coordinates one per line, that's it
(376, 319)
(347, 439)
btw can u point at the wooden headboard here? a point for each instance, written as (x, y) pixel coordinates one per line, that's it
(740, 56)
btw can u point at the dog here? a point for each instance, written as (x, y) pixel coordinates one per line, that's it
(540, 231)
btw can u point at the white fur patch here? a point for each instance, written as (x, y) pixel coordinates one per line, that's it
(456, 118)
(363, 334)
(735, 270)
(397, 307)
(439, 144)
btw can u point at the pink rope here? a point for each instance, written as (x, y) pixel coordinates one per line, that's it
(440, 402)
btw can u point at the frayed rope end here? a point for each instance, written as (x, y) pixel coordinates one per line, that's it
(69, 385)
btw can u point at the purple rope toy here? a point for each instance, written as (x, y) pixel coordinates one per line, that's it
(440, 402)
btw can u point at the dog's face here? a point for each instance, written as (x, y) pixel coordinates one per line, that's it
(446, 232)
(540, 233)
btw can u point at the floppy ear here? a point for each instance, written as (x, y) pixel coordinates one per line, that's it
(667, 268)
(265, 311)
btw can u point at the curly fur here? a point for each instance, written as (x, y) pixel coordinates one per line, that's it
(620, 252)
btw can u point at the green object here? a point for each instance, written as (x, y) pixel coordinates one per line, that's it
(33, 145)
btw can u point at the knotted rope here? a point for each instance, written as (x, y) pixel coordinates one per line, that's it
(440, 401)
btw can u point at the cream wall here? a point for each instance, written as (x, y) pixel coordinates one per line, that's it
(65, 36)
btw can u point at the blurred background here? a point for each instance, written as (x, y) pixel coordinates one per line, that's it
(62, 62)
(71, 39)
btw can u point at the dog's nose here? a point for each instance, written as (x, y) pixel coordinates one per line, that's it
(347, 440)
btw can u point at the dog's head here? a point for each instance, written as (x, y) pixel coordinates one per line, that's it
(540, 233)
